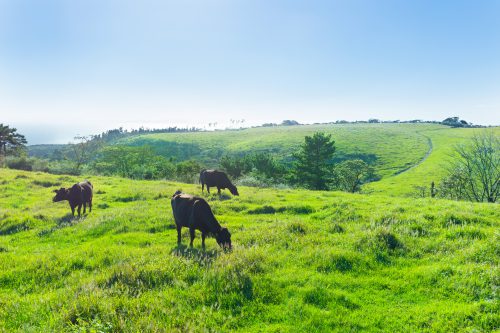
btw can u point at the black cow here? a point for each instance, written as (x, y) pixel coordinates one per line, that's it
(195, 213)
(78, 195)
(218, 179)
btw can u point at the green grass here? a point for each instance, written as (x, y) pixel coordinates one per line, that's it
(302, 261)
(433, 168)
(390, 148)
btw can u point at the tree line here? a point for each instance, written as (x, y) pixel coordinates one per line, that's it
(473, 171)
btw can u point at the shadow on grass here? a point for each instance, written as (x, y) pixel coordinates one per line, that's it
(67, 220)
(200, 256)
(215, 197)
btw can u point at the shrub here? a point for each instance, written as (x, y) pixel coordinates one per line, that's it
(19, 163)
(41, 165)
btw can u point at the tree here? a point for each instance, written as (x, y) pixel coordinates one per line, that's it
(235, 166)
(83, 150)
(132, 162)
(474, 174)
(351, 174)
(288, 122)
(10, 140)
(455, 122)
(188, 171)
(266, 165)
(313, 166)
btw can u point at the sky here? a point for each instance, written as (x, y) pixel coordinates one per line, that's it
(75, 67)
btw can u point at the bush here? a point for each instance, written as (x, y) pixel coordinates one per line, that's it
(19, 163)
(251, 180)
(63, 168)
(40, 165)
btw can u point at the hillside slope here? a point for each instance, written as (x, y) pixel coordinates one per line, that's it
(432, 167)
(390, 148)
(302, 261)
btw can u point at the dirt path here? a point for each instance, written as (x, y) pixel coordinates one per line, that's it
(429, 142)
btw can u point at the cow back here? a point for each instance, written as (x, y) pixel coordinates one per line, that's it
(191, 209)
(76, 194)
(215, 178)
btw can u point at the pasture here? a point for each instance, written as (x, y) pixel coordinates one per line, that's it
(302, 261)
(433, 167)
(390, 148)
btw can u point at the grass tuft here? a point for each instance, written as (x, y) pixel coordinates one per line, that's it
(297, 228)
(337, 228)
(262, 210)
(45, 183)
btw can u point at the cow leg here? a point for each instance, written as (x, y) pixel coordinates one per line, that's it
(202, 187)
(179, 235)
(79, 210)
(218, 190)
(72, 210)
(191, 233)
(90, 205)
(203, 235)
(84, 207)
(208, 189)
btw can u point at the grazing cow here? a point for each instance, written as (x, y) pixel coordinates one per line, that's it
(218, 179)
(78, 195)
(195, 213)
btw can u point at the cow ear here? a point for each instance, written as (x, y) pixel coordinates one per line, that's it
(55, 191)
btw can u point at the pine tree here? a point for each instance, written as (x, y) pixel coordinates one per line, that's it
(313, 167)
(10, 140)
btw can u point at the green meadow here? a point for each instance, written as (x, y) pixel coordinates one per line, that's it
(302, 260)
(389, 148)
(432, 167)
(403, 155)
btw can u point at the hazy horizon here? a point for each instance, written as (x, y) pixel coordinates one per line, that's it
(63, 135)
(74, 67)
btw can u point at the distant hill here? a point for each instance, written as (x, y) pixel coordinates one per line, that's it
(390, 148)
(403, 155)
(45, 151)
(433, 167)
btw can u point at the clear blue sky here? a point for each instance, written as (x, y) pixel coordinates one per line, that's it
(78, 67)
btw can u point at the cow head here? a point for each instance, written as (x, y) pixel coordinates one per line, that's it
(61, 194)
(223, 238)
(233, 190)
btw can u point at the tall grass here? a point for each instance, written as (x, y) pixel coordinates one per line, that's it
(316, 261)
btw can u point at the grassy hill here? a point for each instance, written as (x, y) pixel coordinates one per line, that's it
(302, 261)
(433, 167)
(390, 148)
